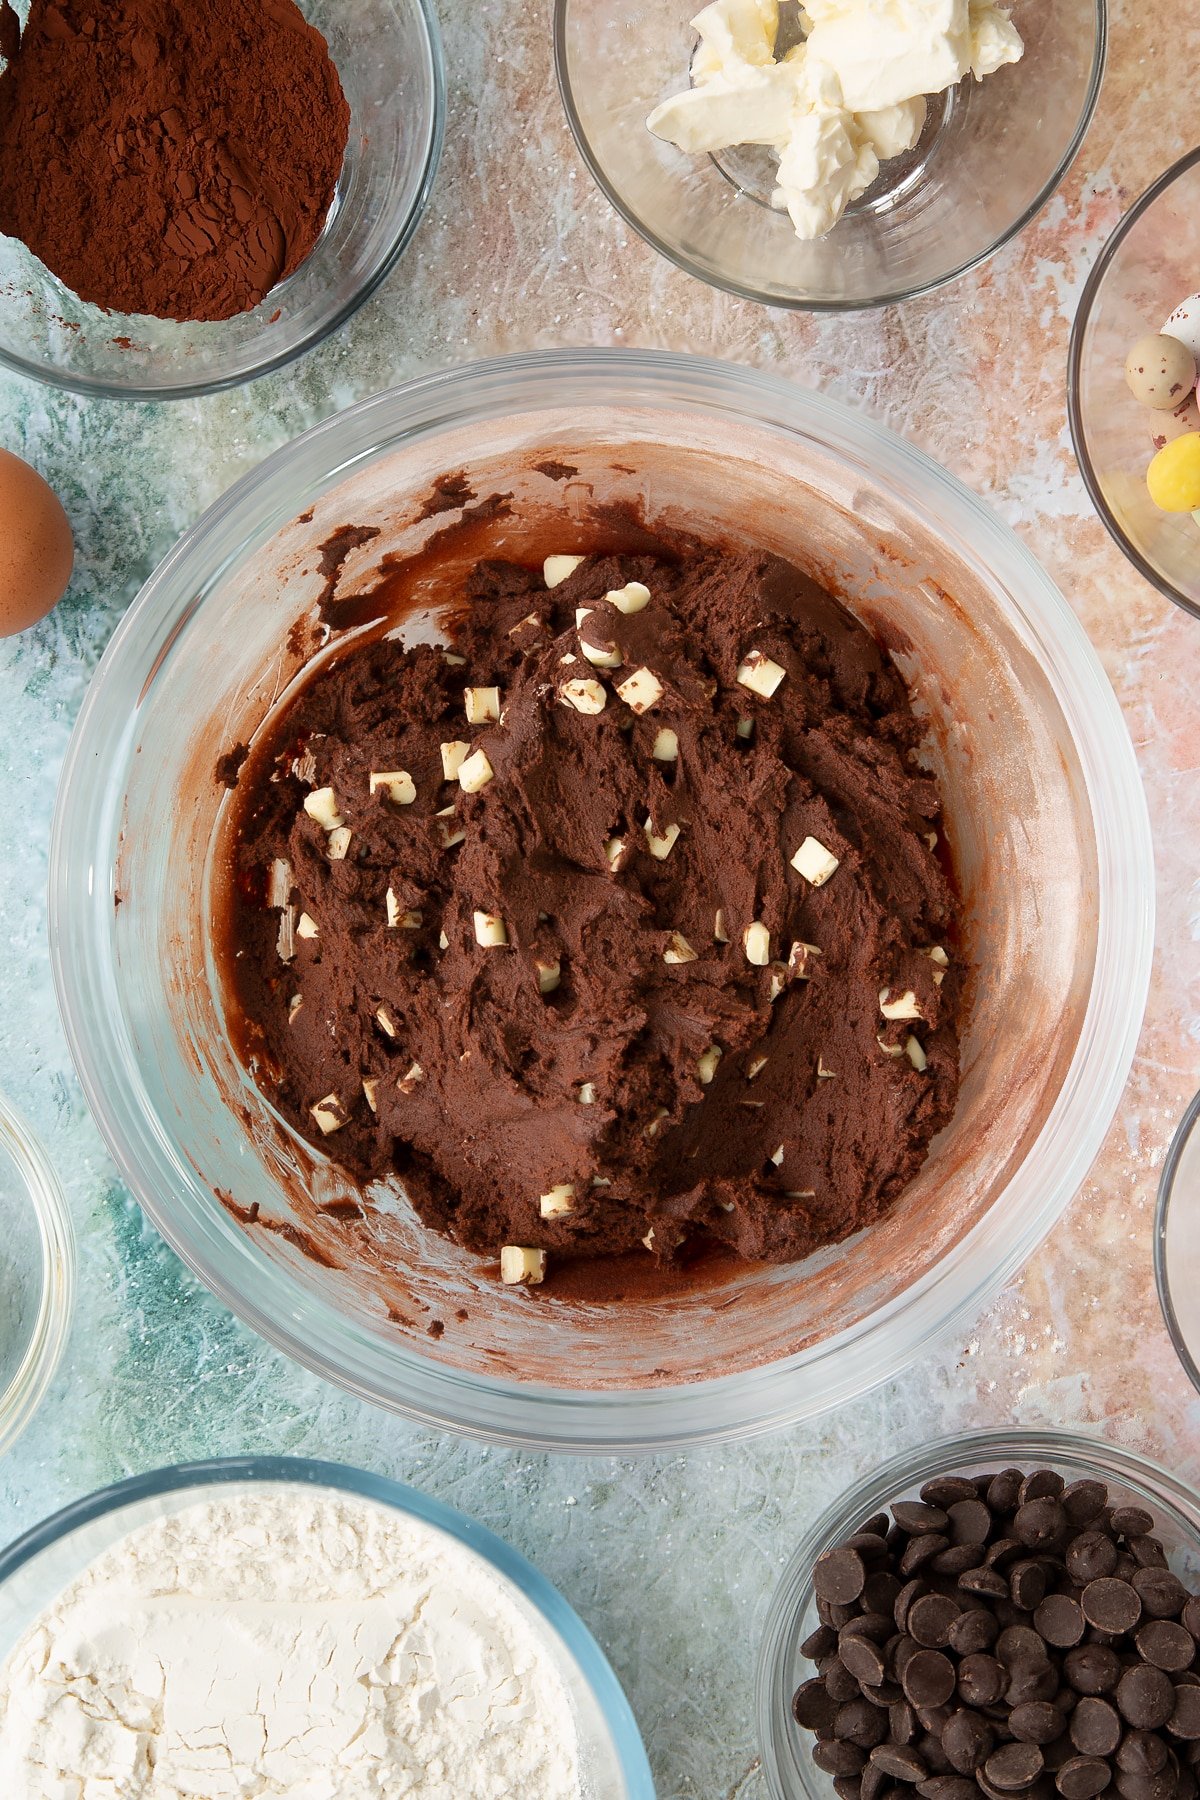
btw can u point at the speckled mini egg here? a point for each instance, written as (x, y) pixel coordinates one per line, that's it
(1184, 324)
(36, 547)
(1174, 476)
(1165, 427)
(1161, 372)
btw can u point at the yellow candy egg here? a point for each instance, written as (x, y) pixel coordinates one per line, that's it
(1174, 476)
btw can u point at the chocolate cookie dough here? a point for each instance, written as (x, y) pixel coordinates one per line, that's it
(622, 922)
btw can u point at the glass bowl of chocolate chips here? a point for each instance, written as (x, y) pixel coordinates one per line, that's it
(1005, 1615)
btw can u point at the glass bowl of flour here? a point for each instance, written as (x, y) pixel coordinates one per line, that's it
(940, 190)
(37, 1274)
(287, 1627)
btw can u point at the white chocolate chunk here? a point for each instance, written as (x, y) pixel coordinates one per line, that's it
(893, 1050)
(490, 930)
(777, 1156)
(453, 660)
(614, 851)
(482, 705)
(294, 1006)
(322, 806)
(520, 1265)
(660, 847)
(443, 941)
(778, 981)
(814, 861)
(304, 768)
(760, 674)
(800, 1194)
(555, 569)
(475, 773)
(756, 941)
(564, 661)
(586, 695)
(285, 943)
(279, 886)
(329, 1114)
(800, 958)
(629, 599)
(648, 1240)
(450, 833)
(938, 955)
(601, 1181)
(601, 656)
(666, 745)
(824, 1074)
(906, 1006)
(408, 1082)
(678, 950)
(587, 1094)
(306, 926)
(410, 921)
(559, 1200)
(385, 1021)
(454, 755)
(370, 1088)
(653, 1128)
(931, 838)
(745, 729)
(755, 1067)
(397, 784)
(338, 843)
(719, 931)
(706, 1064)
(529, 619)
(549, 974)
(916, 1054)
(641, 690)
(394, 908)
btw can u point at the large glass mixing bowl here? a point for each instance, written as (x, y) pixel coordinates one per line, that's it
(1046, 823)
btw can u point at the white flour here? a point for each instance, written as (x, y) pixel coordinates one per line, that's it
(285, 1643)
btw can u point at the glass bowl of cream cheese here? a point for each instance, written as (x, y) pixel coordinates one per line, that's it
(847, 154)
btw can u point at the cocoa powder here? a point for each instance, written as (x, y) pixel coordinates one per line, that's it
(170, 157)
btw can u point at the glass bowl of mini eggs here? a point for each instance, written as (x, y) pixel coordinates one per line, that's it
(1135, 349)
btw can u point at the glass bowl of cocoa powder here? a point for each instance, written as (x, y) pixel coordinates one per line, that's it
(251, 243)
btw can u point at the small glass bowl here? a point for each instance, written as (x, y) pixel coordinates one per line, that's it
(1148, 266)
(389, 57)
(786, 1747)
(35, 1569)
(1177, 1241)
(992, 154)
(37, 1275)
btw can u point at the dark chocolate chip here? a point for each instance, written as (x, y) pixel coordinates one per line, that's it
(948, 1787)
(837, 1758)
(1040, 1523)
(1004, 1490)
(1147, 1787)
(1084, 1501)
(1148, 1552)
(1027, 1583)
(1131, 1521)
(885, 1695)
(864, 1659)
(903, 1725)
(1141, 1753)
(861, 1723)
(847, 1787)
(968, 1741)
(1184, 1721)
(1032, 1681)
(928, 1678)
(1005, 1551)
(881, 1591)
(1059, 1619)
(981, 1680)
(1036, 1722)
(1163, 1595)
(947, 1490)
(1146, 1697)
(900, 1761)
(912, 1590)
(1083, 1778)
(1043, 1484)
(1090, 1556)
(1166, 1645)
(819, 1643)
(958, 1559)
(1095, 1727)
(1092, 1669)
(970, 1522)
(812, 1706)
(1190, 1618)
(920, 1550)
(1020, 1645)
(840, 1683)
(975, 1629)
(839, 1576)
(1111, 1605)
(878, 1626)
(917, 1518)
(878, 1525)
(1014, 1767)
(875, 1782)
(984, 1581)
(931, 1619)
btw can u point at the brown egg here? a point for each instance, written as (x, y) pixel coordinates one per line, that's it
(36, 547)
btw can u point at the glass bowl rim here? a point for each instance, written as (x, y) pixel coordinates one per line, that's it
(1079, 438)
(1166, 1191)
(20, 1399)
(723, 1406)
(94, 387)
(1096, 1455)
(793, 302)
(547, 1600)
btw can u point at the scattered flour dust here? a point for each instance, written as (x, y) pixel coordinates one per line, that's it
(285, 1642)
